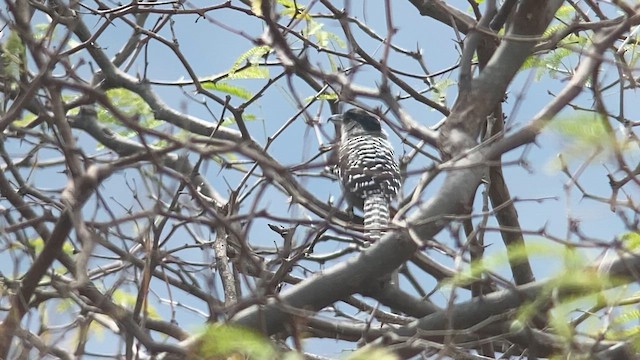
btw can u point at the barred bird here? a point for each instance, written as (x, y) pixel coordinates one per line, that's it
(367, 168)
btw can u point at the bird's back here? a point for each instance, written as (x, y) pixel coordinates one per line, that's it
(367, 167)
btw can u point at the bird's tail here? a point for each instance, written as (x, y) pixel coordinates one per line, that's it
(376, 216)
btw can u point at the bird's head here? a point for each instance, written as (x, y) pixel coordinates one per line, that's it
(357, 121)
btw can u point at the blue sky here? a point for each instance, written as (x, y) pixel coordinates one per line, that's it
(211, 49)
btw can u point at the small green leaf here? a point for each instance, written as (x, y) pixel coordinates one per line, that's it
(324, 96)
(312, 28)
(228, 341)
(253, 56)
(439, 90)
(256, 7)
(552, 29)
(252, 72)
(631, 240)
(583, 127)
(624, 328)
(14, 44)
(565, 12)
(324, 38)
(43, 29)
(289, 4)
(128, 300)
(129, 103)
(123, 298)
(294, 13)
(68, 248)
(37, 244)
(631, 315)
(532, 61)
(245, 116)
(558, 316)
(12, 56)
(25, 120)
(333, 38)
(64, 305)
(585, 134)
(229, 89)
(294, 9)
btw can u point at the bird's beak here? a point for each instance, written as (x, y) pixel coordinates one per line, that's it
(337, 118)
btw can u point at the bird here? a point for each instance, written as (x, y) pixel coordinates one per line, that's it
(367, 169)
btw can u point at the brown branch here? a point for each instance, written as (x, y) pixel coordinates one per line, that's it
(76, 194)
(591, 61)
(624, 269)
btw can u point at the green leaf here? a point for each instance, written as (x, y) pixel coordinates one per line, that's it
(130, 104)
(558, 316)
(25, 120)
(229, 341)
(439, 90)
(628, 316)
(582, 126)
(312, 28)
(253, 56)
(323, 96)
(631, 240)
(632, 48)
(123, 298)
(64, 305)
(294, 9)
(334, 38)
(552, 29)
(14, 44)
(554, 60)
(245, 116)
(12, 55)
(624, 328)
(68, 248)
(323, 38)
(41, 30)
(294, 13)
(252, 72)
(585, 134)
(37, 244)
(256, 7)
(565, 12)
(128, 300)
(229, 89)
(287, 3)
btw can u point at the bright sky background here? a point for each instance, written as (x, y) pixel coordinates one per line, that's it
(211, 49)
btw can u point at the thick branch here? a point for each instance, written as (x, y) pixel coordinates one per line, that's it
(382, 258)
(624, 269)
(77, 193)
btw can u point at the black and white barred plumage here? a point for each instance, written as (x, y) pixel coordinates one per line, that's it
(368, 169)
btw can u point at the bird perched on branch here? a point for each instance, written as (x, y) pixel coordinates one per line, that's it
(367, 168)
